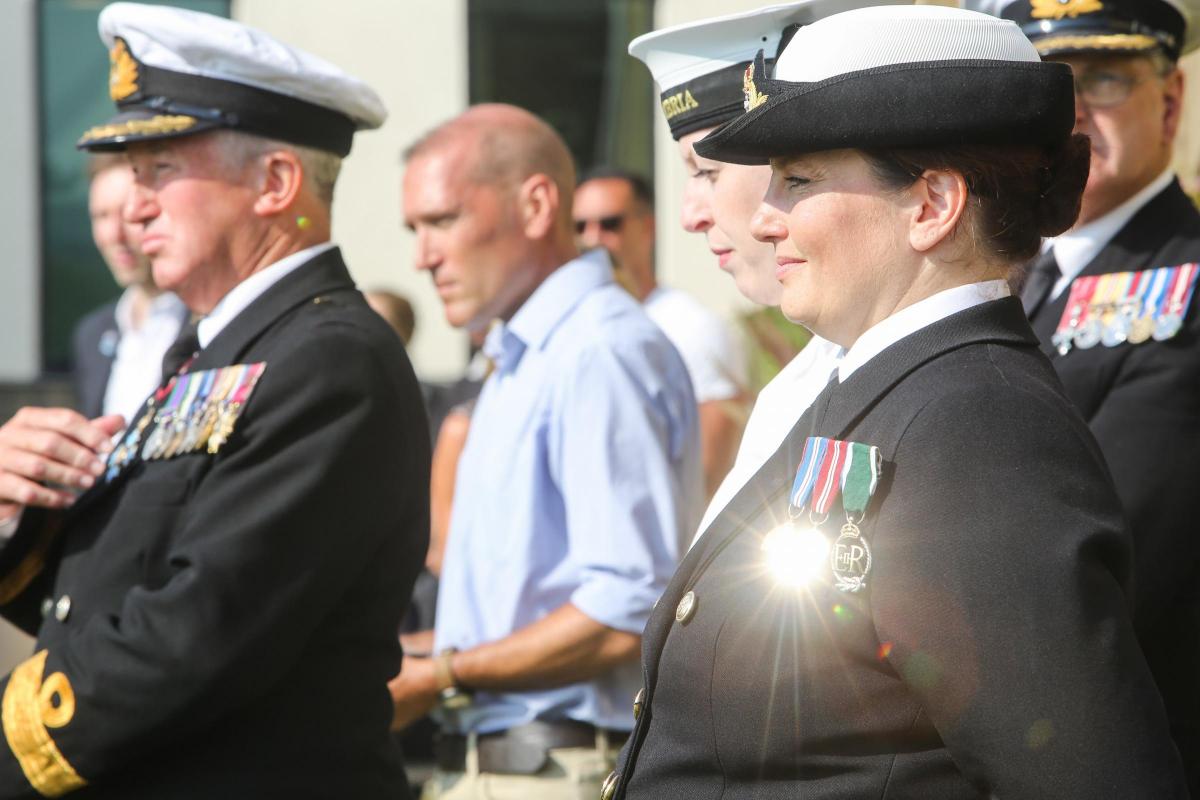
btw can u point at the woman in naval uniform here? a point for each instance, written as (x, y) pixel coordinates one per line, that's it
(923, 592)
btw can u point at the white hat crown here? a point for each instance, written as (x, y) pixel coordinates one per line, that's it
(883, 36)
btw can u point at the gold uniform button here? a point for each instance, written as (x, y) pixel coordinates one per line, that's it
(686, 608)
(639, 702)
(609, 789)
(62, 609)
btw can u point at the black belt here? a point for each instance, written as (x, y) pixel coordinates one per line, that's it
(523, 750)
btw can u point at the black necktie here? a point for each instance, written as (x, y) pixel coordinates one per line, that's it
(183, 348)
(1042, 276)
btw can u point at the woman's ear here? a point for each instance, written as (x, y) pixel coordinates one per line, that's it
(281, 178)
(941, 199)
(539, 202)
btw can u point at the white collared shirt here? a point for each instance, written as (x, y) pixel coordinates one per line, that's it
(249, 290)
(779, 406)
(1078, 247)
(137, 364)
(911, 319)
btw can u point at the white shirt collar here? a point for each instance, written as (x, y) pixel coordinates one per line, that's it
(249, 290)
(1079, 246)
(164, 304)
(915, 317)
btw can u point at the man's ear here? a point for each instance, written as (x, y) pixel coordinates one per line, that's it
(538, 200)
(940, 199)
(281, 176)
(1172, 105)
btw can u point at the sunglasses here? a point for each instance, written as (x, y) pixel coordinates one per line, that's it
(610, 224)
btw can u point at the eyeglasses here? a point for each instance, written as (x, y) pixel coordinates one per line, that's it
(610, 224)
(1106, 89)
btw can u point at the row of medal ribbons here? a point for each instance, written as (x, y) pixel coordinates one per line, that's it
(1124, 307)
(193, 411)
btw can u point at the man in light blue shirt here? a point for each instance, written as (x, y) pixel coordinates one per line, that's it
(580, 480)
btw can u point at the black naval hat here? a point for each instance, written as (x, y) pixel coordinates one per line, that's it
(899, 76)
(176, 73)
(1062, 27)
(700, 67)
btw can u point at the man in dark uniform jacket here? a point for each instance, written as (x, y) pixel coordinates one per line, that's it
(216, 615)
(1141, 400)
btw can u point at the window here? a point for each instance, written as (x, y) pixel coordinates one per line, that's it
(567, 63)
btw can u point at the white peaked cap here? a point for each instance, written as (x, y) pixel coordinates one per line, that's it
(177, 73)
(699, 65)
(195, 43)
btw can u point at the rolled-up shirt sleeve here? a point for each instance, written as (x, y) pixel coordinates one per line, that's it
(626, 456)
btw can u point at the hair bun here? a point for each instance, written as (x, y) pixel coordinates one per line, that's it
(1060, 185)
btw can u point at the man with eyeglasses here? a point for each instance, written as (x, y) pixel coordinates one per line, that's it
(614, 209)
(1114, 316)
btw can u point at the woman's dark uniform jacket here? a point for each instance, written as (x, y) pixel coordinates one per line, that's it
(232, 617)
(991, 652)
(1142, 403)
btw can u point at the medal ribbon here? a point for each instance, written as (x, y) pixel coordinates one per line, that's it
(248, 380)
(1078, 303)
(1182, 289)
(829, 480)
(830, 469)
(806, 473)
(1157, 281)
(861, 478)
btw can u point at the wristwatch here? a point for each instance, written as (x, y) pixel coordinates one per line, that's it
(451, 695)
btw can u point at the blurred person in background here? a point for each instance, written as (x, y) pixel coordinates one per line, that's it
(396, 310)
(118, 348)
(614, 209)
(700, 68)
(578, 483)
(1111, 301)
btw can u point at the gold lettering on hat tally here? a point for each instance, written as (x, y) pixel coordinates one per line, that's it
(1060, 9)
(122, 72)
(678, 103)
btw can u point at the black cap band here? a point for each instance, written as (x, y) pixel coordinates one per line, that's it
(161, 94)
(921, 104)
(706, 101)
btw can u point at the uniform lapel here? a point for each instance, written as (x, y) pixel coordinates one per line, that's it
(743, 507)
(834, 413)
(325, 273)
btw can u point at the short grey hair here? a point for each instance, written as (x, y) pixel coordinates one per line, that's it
(321, 168)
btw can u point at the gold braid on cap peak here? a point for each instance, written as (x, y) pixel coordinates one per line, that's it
(154, 126)
(1061, 9)
(1102, 41)
(29, 710)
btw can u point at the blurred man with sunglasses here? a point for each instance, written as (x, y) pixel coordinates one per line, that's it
(1117, 322)
(614, 209)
